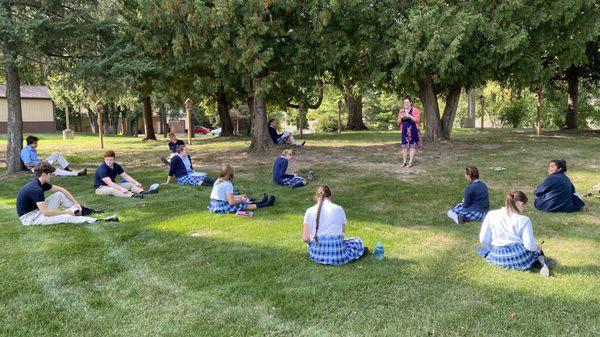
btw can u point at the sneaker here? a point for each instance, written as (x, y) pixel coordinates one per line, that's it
(138, 195)
(454, 217)
(271, 200)
(165, 161)
(303, 142)
(89, 211)
(152, 190)
(544, 271)
(112, 218)
(461, 219)
(82, 172)
(365, 252)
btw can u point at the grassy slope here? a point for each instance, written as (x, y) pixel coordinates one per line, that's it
(147, 276)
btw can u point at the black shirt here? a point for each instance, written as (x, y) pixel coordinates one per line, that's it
(30, 195)
(104, 171)
(173, 146)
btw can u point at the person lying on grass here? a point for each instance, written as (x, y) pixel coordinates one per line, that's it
(282, 138)
(556, 193)
(173, 144)
(506, 237)
(475, 203)
(182, 169)
(222, 199)
(30, 159)
(104, 180)
(33, 208)
(280, 177)
(324, 231)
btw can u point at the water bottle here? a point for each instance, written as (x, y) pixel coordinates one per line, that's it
(311, 176)
(378, 252)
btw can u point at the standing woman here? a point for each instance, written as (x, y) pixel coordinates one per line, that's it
(408, 119)
(324, 231)
(507, 237)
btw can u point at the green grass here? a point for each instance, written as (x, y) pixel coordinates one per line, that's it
(147, 276)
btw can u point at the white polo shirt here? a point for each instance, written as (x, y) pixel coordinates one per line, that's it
(331, 220)
(500, 228)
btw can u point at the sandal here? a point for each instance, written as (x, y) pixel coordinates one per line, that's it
(410, 164)
(404, 164)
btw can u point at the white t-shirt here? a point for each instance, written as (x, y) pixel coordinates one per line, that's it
(331, 220)
(500, 228)
(220, 190)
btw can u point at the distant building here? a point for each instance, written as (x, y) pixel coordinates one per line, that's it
(37, 107)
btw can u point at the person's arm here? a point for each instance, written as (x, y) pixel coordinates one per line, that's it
(467, 197)
(114, 185)
(232, 200)
(51, 212)
(344, 229)
(67, 194)
(306, 233)
(542, 188)
(130, 179)
(485, 235)
(400, 116)
(527, 237)
(172, 168)
(26, 158)
(415, 115)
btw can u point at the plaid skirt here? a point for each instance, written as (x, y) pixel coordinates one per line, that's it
(513, 256)
(293, 182)
(468, 216)
(191, 179)
(223, 207)
(335, 250)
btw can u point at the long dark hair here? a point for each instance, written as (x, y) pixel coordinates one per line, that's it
(561, 165)
(511, 201)
(323, 192)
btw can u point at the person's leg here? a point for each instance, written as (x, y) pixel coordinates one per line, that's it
(454, 214)
(61, 172)
(412, 155)
(57, 159)
(206, 181)
(404, 156)
(132, 187)
(57, 200)
(107, 190)
(64, 218)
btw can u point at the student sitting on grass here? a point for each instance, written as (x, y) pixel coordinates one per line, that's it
(507, 237)
(280, 177)
(282, 138)
(30, 159)
(475, 203)
(104, 180)
(556, 193)
(173, 144)
(34, 208)
(182, 169)
(222, 199)
(324, 231)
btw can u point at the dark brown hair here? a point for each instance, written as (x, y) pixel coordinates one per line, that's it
(109, 153)
(323, 192)
(472, 172)
(43, 168)
(561, 164)
(31, 139)
(511, 201)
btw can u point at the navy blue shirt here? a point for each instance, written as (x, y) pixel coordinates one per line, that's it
(178, 167)
(476, 197)
(173, 146)
(556, 194)
(274, 135)
(279, 168)
(104, 171)
(30, 195)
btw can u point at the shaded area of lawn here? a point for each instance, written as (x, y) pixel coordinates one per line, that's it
(149, 276)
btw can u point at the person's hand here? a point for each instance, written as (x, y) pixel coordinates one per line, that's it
(69, 213)
(244, 198)
(124, 190)
(77, 206)
(539, 247)
(138, 184)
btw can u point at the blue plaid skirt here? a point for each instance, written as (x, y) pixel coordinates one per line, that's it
(223, 207)
(468, 216)
(191, 179)
(293, 182)
(513, 256)
(335, 250)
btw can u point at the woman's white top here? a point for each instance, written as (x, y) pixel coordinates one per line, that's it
(500, 228)
(331, 220)
(220, 190)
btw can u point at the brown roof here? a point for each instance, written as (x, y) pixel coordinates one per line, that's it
(29, 91)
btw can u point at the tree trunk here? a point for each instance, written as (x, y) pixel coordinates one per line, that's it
(133, 127)
(261, 141)
(433, 129)
(148, 126)
(93, 117)
(450, 111)
(355, 114)
(572, 98)
(13, 98)
(224, 117)
(301, 118)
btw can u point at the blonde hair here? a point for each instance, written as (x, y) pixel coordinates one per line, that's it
(226, 173)
(171, 134)
(287, 152)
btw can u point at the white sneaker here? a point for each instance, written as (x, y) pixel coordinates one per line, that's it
(453, 216)
(544, 271)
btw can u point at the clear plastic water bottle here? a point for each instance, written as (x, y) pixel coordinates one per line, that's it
(311, 176)
(378, 252)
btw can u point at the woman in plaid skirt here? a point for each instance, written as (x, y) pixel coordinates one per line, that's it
(222, 199)
(507, 237)
(324, 231)
(475, 203)
(280, 177)
(181, 167)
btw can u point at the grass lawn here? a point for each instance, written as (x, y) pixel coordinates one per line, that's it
(171, 268)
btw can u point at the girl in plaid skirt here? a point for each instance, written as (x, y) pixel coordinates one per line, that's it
(280, 177)
(507, 237)
(324, 231)
(475, 203)
(222, 199)
(181, 168)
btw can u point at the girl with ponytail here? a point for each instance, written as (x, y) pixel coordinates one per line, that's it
(556, 193)
(325, 229)
(507, 237)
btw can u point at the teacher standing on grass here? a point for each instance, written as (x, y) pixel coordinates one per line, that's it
(408, 119)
